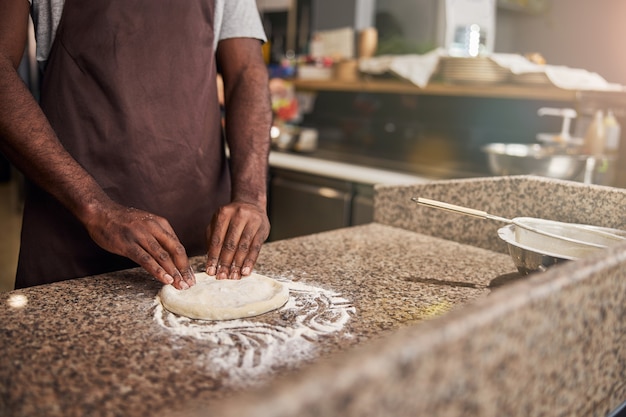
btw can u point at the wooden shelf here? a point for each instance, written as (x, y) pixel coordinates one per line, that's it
(525, 6)
(507, 91)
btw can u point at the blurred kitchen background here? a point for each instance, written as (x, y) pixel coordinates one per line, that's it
(392, 91)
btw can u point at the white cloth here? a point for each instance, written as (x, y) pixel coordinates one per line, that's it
(561, 76)
(419, 68)
(232, 19)
(416, 68)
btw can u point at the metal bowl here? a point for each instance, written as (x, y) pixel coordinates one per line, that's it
(578, 240)
(534, 159)
(527, 259)
(537, 254)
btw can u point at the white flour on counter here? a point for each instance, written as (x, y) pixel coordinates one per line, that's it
(244, 348)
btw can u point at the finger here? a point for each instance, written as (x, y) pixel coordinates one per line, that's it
(172, 254)
(222, 240)
(179, 283)
(243, 247)
(190, 277)
(162, 245)
(253, 252)
(229, 248)
(234, 272)
(215, 236)
(163, 258)
(154, 268)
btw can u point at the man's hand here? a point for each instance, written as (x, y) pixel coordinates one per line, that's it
(238, 229)
(234, 239)
(145, 238)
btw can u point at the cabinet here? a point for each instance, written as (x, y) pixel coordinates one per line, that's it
(302, 204)
(362, 204)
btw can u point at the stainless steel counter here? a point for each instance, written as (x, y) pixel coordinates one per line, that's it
(329, 165)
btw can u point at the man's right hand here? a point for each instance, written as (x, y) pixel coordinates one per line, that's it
(145, 238)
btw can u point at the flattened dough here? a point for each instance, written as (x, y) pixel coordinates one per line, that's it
(212, 299)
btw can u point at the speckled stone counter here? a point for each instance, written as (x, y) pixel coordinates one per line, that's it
(404, 316)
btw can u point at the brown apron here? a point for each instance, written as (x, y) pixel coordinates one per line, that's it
(130, 90)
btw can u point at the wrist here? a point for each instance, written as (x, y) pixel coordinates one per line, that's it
(92, 207)
(256, 197)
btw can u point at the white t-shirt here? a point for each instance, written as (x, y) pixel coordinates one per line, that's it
(232, 19)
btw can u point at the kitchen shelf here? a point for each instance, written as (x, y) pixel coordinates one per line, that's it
(507, 91)
(525, 6)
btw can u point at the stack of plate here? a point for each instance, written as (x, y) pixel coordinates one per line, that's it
(480, 70)
(535, 78)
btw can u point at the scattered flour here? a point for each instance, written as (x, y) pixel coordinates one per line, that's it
(244, 350)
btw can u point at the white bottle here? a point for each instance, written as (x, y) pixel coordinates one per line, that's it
(612, 134)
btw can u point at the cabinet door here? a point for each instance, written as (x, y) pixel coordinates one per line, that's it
(362, 205)
(306, 204)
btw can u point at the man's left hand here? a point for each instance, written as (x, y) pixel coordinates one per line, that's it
(234, 239)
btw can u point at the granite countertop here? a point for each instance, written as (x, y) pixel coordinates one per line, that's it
(101, 346)
(419, 313)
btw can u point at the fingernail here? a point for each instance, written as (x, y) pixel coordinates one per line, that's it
(211, 270)
(245, 270)
(168, 278)
(183, 285)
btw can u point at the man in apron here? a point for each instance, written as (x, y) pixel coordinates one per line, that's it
(124, 156)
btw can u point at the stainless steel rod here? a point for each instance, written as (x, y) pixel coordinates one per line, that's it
(459, 209)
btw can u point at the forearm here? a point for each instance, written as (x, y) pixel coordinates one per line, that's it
(27, 139)
(248, 122)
